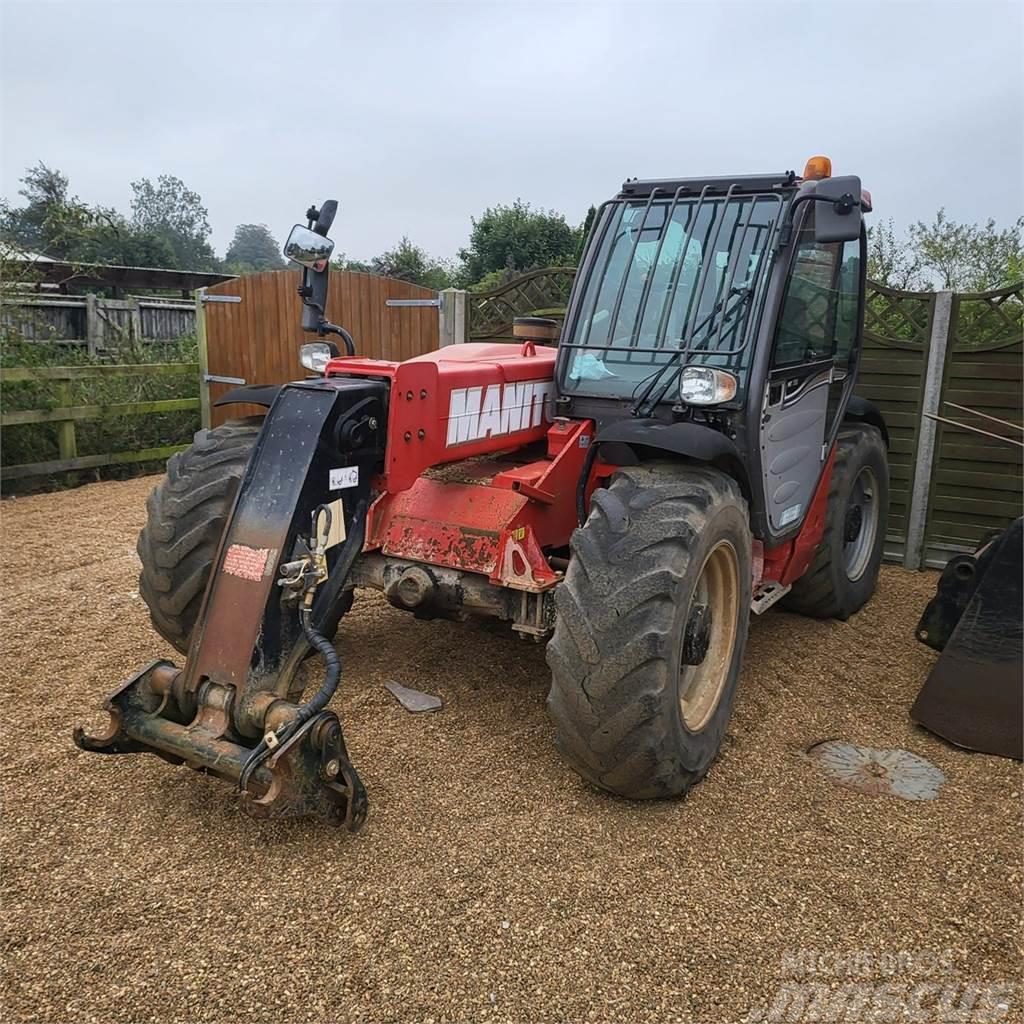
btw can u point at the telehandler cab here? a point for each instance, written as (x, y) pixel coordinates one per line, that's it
(690, 452)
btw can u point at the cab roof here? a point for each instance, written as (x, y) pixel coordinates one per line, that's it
(635, 188)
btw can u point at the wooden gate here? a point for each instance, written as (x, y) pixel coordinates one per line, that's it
(249, 328)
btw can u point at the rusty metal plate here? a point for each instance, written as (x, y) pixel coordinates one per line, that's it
(413, 700)
(890, 772)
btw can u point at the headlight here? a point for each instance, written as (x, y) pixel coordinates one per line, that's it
(704, 385)
(315, 356)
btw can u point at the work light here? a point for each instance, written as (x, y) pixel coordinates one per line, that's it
(704, 385)
(315, 356)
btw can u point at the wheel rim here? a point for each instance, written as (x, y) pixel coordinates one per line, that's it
(860, 523)
(717, 593)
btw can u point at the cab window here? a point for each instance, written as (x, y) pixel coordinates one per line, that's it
(819, 313)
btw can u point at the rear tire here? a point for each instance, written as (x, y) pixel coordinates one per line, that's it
(186, 513)
(629, 716)
(842, 576)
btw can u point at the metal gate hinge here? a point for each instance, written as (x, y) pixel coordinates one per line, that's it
(220, 298)
(216, 378)
(412, 302)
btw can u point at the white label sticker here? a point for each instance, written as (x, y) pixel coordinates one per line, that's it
(347, 476)
(790, 514)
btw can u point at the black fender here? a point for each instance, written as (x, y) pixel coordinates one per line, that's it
(861, 410)
(632, 441)
(253, 394)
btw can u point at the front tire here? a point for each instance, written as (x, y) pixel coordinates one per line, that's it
(643, 680)
(186, 514)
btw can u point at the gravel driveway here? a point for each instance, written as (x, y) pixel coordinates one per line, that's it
(490, 884)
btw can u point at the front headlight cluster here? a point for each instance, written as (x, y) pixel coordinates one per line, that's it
(315, 356)
(704, 385)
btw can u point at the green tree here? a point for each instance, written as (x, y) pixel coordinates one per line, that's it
(588, 223)
(969, 257)
(517, 238)
(109, 238)
(947, 254)
(342, 262)
(61, 226)
(172, 211)
(50, 220)
(891, 259)
(409, 262)
(253, 249)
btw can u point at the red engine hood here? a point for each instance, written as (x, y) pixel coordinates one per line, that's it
(460, 401)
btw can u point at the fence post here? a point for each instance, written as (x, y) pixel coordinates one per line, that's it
(204, 363)
(454, 326)
(67, 443)
(136, 325)
(93, 324)
(917, 518)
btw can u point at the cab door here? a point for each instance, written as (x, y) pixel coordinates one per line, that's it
(810, 374)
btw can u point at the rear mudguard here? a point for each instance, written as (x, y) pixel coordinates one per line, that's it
(860, 410)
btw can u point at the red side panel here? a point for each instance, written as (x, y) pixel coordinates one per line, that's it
(789, 561)
(498, 527)
(460, 401)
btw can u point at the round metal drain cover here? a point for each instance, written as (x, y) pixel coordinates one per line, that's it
(879, 772)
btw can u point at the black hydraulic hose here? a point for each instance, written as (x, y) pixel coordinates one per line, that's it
(332, 660)
(316, 704)
(332, 669)
(332, 665)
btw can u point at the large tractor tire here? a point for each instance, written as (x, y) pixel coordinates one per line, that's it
(842, 576)
(186, 513)
(651, 625)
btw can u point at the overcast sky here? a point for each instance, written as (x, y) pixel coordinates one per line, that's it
(418, 116)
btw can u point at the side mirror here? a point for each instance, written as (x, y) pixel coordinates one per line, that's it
(308, 249)
(837, 209)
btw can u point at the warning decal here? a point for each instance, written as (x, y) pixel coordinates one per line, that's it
(248, 563)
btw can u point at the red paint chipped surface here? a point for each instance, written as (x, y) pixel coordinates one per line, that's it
(246, 562)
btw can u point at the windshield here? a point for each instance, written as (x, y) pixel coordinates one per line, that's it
(669, 277)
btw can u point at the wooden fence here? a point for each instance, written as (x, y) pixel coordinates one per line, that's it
(96, 323)
(64, 415)
(250, 329)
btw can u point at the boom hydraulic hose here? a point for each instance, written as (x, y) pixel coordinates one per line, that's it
(320, 643)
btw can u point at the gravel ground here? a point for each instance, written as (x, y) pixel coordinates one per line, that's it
(490, 883)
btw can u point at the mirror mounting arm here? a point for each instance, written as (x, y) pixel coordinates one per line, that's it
(326, 327)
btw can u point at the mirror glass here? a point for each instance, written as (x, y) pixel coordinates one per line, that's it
(308, 249)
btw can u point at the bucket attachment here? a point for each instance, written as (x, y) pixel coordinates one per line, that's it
(974, 695)
(287, 550)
